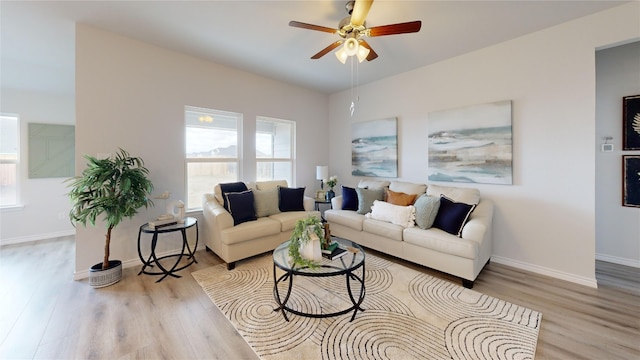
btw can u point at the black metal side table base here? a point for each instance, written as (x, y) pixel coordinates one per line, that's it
(153, 260)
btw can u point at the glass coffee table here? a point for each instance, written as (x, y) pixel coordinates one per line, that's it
(344, 266)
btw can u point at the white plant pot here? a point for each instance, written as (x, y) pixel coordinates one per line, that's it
(100, 278)
(311, 250)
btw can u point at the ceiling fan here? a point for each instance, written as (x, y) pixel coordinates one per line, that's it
(353, 28)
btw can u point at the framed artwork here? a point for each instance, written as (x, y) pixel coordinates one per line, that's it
(631, 180)
(374, 148)
(51, 151)
(471, 144)
(631, 122)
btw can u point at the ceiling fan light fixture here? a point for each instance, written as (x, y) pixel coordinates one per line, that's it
(351, 46)
(362, 53)
(342, 55)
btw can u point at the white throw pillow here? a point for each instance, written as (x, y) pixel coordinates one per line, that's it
(399, 215)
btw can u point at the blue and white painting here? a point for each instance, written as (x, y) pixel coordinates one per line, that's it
(374, 148)
(471, 144)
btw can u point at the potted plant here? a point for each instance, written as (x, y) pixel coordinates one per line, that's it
(333, 181)
(116, 188)
(304, 243)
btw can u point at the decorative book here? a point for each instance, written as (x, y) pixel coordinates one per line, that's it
(336, 253)
(332, 246)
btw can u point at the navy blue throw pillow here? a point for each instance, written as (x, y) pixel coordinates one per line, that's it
(290, 199)
(231, 188)
(241, 206)
(452, 216)
(349, 198)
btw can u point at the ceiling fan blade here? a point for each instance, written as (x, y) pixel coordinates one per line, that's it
(324, 51)
(360, 11)
(312, 27)
(372, 54)
(401, 28)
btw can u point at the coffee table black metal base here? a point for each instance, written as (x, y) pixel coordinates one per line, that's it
(345, 266)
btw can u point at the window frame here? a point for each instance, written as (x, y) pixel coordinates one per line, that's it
(292, 146)
(237, 160)
(16, 161)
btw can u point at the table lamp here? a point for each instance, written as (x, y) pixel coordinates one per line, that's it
(322, 173)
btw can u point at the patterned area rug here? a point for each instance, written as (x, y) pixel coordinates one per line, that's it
(408, 315)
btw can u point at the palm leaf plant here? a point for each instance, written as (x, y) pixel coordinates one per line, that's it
(115, 187)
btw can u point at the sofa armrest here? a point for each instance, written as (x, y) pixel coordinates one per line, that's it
(216, 218)
(478, 228)
(309, 203)
(336, 202)
(214, 211)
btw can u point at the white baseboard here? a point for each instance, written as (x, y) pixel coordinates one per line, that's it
(618, 260)
(546, 271)
(37, 237)
(84, 274)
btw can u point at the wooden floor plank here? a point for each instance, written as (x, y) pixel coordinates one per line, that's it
(44, 314)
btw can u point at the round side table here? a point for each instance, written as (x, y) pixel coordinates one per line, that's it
(153, 260)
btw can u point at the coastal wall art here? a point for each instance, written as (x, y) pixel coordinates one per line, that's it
(471, 144)
(631, 122)
(374, 148)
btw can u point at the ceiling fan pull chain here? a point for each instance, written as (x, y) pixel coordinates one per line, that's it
(352, 108)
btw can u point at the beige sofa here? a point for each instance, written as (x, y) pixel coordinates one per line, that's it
(236, 242)
(463, 256)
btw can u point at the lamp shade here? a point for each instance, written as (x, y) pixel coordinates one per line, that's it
(362, 54)
(342, 55)
(351, 46)
(322, 172)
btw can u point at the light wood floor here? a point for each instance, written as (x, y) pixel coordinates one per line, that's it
(44, 314)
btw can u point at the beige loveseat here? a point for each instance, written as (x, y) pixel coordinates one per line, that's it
(271, 228)
(463, 256)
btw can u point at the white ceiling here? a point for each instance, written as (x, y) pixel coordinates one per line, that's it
(37, 38)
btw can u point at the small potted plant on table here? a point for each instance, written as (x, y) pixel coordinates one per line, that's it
(116, 188)
(305, 242)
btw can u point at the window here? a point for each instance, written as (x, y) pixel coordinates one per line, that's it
(9, 160)
(275, 149)
(213, 152)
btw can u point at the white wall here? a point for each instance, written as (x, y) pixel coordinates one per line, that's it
(545, 221)
(617, 227)
(45, 207)
(132, 95)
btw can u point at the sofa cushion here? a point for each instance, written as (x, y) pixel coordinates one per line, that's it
(400, 198)
(241, 206)
(270, 184)
(288, 219)
(373, 184)
(366, 197)
(250, 230)
(408, 187)
(438, 240)
(452, 215)
(469, 196)
(346, 218)
(383, 228)
(290, 199)
(395, 214)
(349, 198)
(426, 210)
(266, 202)
(230, 187)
